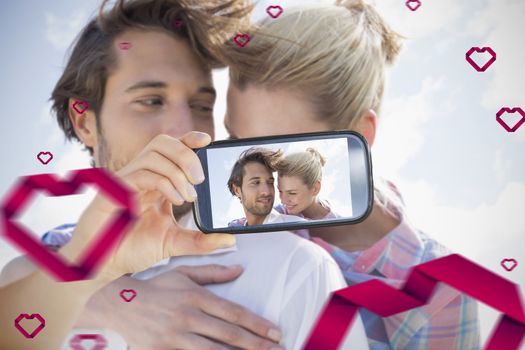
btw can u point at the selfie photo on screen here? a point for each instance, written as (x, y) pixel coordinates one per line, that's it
(280, 182)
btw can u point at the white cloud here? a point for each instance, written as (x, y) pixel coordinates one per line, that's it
(431, 17)
(400, 127)
(60, 31)
(499, 25)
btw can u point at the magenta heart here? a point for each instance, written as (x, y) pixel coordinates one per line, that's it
(124, 45)
(76, 342)
(44, 157)
(274, 11)
(35, 331)
(103, 243)
(177, 23)
(83, 106)
(242, 39)
(128, 294)
(480, 50)
(502, 122)
(509, 264)
(413, 4)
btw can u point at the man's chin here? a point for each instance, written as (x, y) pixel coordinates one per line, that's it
(181, 210)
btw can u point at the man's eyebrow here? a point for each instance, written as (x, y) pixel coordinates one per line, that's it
(147, 84)
(207, 90)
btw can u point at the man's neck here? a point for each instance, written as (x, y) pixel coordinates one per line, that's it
(315, 211)
(252, 219)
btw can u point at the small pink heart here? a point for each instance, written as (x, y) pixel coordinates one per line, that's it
(509, 264)
(83, 106)
(413, 4)
(502, 113)
(242, 39)
(274, 11)
(480, 51)
(36, 330)
(128, 294)
(124, 45)
(177, 23)
(44, 157)
(76, 342)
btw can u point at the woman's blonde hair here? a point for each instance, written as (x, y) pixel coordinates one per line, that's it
(307, 165)
(336, 55)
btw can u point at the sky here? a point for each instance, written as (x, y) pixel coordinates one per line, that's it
(335, 185)
(461, 174)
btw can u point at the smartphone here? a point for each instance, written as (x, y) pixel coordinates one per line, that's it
(284, 183)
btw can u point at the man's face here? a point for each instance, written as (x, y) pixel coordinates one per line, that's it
(257, 192)
(158, 87)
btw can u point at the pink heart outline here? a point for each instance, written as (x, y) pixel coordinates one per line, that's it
(37, 330)
(177, 23)
(269, 10)
(510, 111)
(411, 7)
(125, 45)
(76, 342)
(83, 103)
(243, 43)
(511, 260)
(103, 242)
(480, 50)
(127, 291)
(40, 154)
(482, 285)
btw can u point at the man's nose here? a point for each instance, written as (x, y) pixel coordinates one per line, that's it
(177, 122)
(265, 189)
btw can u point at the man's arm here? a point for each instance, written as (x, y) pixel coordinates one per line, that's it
(173, 310)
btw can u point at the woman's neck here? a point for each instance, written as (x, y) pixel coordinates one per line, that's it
(359, 236)
(315, 211)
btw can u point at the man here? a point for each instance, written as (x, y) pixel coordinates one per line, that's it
(252, 181)
(148, 86)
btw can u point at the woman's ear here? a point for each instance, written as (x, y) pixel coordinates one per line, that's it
(366, 126)
(83, 121)
(317, 188)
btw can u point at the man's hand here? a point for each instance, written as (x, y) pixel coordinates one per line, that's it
(161, 175)
(174, 311)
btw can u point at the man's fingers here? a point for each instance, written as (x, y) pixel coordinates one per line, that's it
(239, 315)
(195, 139)
(181, 153)
(229, 333)
(212, 273)
(191, 242)
(160, 165)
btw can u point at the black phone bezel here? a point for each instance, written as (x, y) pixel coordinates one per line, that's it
(201, 208)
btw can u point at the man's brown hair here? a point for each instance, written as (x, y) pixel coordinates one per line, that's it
(206, 25)
(264, 156)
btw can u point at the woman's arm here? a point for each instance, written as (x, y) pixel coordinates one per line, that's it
(58, 303)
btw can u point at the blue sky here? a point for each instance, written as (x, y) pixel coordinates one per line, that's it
(462, 175)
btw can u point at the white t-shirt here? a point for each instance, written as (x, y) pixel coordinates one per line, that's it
(286, 279)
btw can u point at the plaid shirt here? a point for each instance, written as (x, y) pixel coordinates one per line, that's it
(448, 322)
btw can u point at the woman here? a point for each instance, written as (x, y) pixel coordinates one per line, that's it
(323, 68)
(299, 184)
